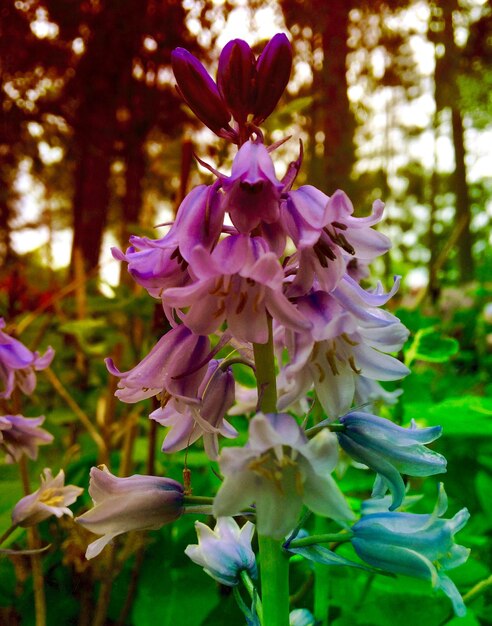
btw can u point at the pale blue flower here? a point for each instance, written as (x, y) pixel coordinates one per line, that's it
(280, 471)
(415, 545)
(225, 551)
(390, 450)
(301, 617)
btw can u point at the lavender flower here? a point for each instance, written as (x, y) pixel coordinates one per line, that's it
(18, 364)
(51, 498)
(124, 504)
(252, 191)
(225, 551)
(175, 366)
(325, 233)
(390, 450)
(415, 545)
(279, 470)
(204, 416)
(239, 282)
(21, 435)
(349, 336)
(157, 264)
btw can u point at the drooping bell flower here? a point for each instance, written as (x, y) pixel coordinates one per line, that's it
(200, 92)
(326, 234)
(252, 191)
(236, 78)
(18, 364)
(202, 416)
(273, 72)
(175, 366)
(240, 282)
(124, 504)
(417, 545)
(225, 551)
(390, 450)
(22, 435)
(349, 337)
(52, 498)
(280, 470)
(157, 264)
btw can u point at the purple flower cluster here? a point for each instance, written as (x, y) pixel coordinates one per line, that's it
(252, 260)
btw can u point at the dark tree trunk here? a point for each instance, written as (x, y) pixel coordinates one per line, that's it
(463, 210)
(330, 112)
(338, 119)
(102, 84)
(91, 198)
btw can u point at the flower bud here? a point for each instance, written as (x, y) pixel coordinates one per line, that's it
(124, 504)
(236, 78)
(273, 72)
(225, 551)
(199, 90)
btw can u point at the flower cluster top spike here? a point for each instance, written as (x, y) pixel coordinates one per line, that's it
(247, 88)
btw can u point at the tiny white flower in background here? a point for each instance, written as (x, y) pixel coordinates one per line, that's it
(51, 498)
(225, 551)
(280, 470)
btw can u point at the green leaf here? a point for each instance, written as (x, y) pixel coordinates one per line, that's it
(483, 485)
(431, 346)
(464, 416)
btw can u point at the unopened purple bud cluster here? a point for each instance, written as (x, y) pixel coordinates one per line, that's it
(247, 88)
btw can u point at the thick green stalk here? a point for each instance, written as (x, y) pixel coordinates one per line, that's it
(274, 567)
(274, 563)
(265, 373)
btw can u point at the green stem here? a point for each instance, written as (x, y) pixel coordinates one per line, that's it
(36, 566)
(253, 594)
(274, 565)
(8, 532)
(315, 539)
(265, 373)
(192, 500)
(274, 562)
(321, 581)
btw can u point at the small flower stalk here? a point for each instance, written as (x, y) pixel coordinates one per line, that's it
(259, 271)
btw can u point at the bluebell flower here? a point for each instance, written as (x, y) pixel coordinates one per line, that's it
(225, 551)
(415, 545)
(390, 450)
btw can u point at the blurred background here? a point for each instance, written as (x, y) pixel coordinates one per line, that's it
(392, 101)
